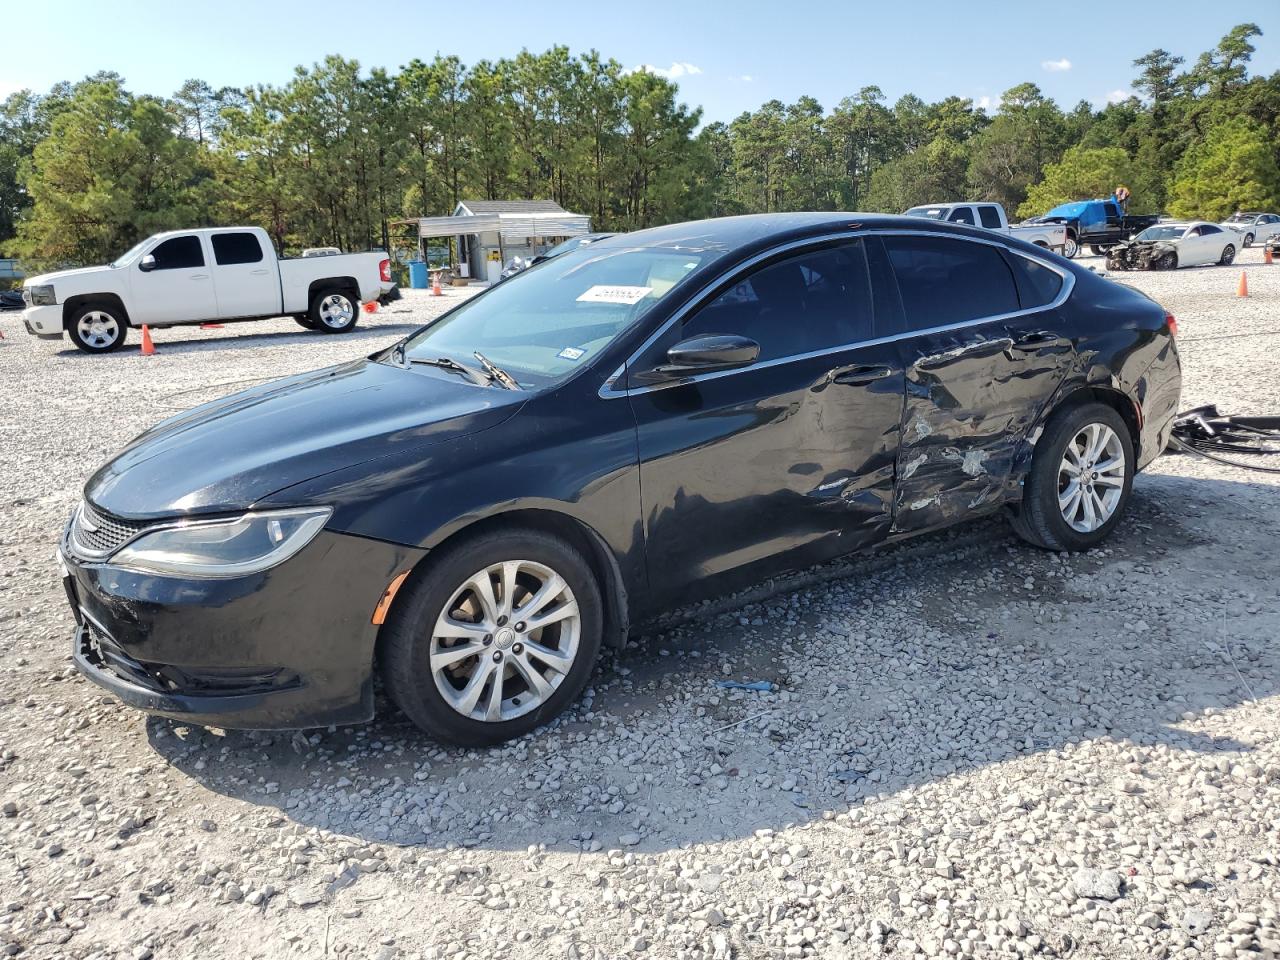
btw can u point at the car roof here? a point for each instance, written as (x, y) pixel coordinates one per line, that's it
(729, 234)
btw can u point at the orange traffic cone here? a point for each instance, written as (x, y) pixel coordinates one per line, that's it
(371, 306)
(435, 285)
(1243, 289)
(1266, 255)
(148, 348)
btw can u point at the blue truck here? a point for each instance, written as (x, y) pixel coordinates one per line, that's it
(1098, 224)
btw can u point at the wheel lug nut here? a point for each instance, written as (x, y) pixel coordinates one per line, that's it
(502, 621)
(518, 648)
(488, 639)
(497, 656)
(520, 627)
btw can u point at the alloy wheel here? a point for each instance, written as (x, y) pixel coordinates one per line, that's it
(505, 640)
(1091, 477)
(336, 311)
(98, 329)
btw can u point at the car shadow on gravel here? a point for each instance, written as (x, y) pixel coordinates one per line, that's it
(950, 654)
(164, 344)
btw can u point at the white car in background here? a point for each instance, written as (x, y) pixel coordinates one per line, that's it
(1174, 244)
(1253, 227)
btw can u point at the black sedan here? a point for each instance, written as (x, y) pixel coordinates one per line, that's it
(473, 512)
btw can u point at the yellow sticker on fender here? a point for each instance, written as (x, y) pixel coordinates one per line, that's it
(605, 293)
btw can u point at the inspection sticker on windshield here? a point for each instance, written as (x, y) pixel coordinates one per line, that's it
(571, 353)
(614, 293)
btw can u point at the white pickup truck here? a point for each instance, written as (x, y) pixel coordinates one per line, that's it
(200, 276)
(991, 216)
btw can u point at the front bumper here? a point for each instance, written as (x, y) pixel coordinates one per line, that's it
(288, 648)
(43, 322)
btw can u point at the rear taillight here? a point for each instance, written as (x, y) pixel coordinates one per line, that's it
(384, 271)
(1171, 322)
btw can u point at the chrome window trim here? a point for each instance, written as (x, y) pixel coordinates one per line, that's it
(608, 392)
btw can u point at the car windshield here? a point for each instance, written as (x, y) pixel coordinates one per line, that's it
(573, 243)
(1242, 218)
(129, 254)
(930, 213)
(1162, 232)
(553, 318)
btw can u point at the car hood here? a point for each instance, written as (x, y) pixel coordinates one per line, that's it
(228, 454)
(63, 275)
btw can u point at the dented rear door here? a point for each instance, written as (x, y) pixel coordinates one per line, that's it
(978, 369)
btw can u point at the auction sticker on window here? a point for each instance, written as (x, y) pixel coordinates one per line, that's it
(614, 293)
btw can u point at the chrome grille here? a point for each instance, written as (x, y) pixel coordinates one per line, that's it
(97, 535)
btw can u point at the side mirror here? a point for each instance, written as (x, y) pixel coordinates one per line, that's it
(147, 263)
(704, 354)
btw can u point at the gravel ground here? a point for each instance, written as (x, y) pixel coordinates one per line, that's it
(972, 748)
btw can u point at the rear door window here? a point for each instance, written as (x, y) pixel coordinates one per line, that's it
(178, 253)
(233, 248)
(990, 217)
(961, 215)
(943, 280)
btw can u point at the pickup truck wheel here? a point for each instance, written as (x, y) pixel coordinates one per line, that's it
(1070, 247)
(333, 311)
(97, 328)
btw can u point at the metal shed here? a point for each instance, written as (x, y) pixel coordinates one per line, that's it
(489, 232)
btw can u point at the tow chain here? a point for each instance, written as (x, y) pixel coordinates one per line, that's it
(1205, 432)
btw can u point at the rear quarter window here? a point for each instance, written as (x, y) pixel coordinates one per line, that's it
(990, 217)
(233, 248)
(1037, 284)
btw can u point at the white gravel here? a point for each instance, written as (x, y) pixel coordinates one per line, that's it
(973, 749)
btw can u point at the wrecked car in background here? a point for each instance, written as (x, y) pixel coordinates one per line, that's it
(1253, 227)
(1170, 245)
(475, 511)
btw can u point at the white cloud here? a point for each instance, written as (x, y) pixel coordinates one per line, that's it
(677, 69)
(1119, 96)
(984, 103)
(746, 78)
(1056, 66)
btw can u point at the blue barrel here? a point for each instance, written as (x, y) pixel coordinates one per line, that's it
(418, 275)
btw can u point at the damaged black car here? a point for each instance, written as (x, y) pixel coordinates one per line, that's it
(475, 511)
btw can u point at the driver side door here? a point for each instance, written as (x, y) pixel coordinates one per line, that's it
(177, 289)
(788, 460)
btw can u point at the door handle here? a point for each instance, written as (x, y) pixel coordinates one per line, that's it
(258, 273)
(866, 373)
(982, 348)
(1031, 341)
(199, 276)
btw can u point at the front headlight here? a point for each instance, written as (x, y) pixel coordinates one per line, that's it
(224, 548)
(42, 296)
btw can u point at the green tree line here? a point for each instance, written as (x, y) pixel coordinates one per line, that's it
(337, 155)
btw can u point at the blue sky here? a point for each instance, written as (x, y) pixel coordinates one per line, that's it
(726, 56)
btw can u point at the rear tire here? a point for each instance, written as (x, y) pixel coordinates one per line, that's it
(441, 612)
(1090, 445)
(305, 321)
(333, 310)
(98, 327)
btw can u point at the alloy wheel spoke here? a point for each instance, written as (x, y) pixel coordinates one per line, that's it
(553, 615)
(1109, 480)
(509, 570)
(550, 589)
(536, 681)
(1089, 519)
(450, 627)
(469, 696)
(1069, 497)
(554, 659)
(482, 585)
(447, 656)
(494, 710)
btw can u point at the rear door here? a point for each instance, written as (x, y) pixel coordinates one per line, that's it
(178, 289)
(983, 352)
(785, 461)
(244, 275)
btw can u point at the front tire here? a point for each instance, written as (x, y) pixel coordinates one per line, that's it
(1096, 250)
(1228, 255)
(98, 328)
(1080, 479)
(305, 321)
(495, 638)
(1248, 240)
(1070, 247)
(333, 311)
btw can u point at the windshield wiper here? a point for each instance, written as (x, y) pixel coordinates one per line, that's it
(448, 363)
(496, 372)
